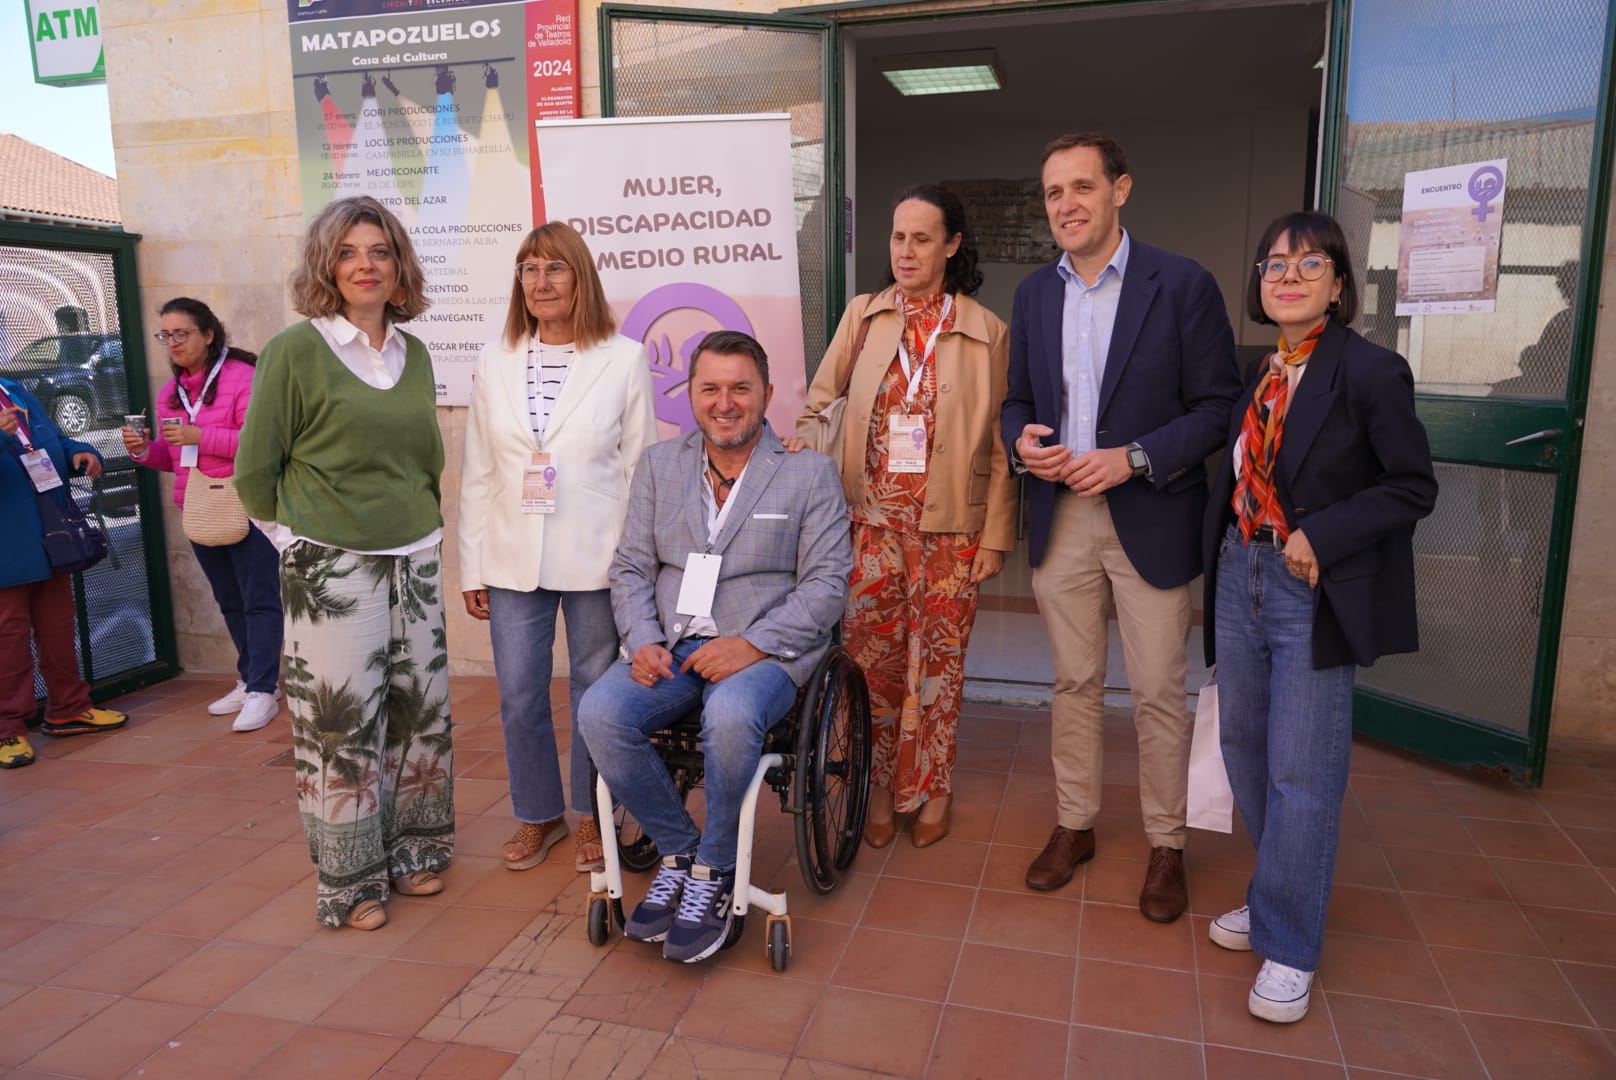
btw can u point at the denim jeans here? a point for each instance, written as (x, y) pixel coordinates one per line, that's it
(522, 625)
(1286, 730)
(246, 581)
(618, 715)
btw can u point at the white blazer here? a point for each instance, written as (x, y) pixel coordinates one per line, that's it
(603, 419)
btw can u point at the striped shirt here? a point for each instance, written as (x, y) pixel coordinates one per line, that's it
(546, 372)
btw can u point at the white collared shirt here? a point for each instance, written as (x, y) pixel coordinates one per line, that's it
(701, 625)
(379, 368)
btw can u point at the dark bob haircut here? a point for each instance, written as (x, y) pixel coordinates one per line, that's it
(729, 343)
(961, 275)
(1309, 230)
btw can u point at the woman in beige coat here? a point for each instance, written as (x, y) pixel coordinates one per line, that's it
(931, 496)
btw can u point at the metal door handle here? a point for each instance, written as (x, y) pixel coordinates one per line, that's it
(1546, 433)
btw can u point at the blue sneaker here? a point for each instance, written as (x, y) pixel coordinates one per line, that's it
(705, 913)
(649, 921)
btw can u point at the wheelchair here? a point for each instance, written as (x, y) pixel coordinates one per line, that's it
(817, 760)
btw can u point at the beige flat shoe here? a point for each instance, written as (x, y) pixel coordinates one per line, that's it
(368, 915)
(420, 883)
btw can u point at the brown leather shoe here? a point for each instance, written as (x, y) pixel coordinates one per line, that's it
(1054, 866)
(1165, 895)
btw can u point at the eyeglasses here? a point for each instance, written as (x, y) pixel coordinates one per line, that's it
(529, 272)
(377, 254)
(1308, 267)
(174, 337)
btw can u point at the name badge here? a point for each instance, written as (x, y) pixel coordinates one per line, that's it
(41, 470)
(539, 485)
(189, 455)
(906, 443)
(699, 584)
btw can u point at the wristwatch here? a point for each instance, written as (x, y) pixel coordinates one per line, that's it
(1137, 460)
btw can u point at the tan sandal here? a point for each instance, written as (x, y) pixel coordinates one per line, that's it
(588, 833)
(532, 843)
(367, 915)
(420, 883)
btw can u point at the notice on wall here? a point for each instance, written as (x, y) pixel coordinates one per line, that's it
(1008, 219)
(430, 113)
(1453, 222)
(693, 228)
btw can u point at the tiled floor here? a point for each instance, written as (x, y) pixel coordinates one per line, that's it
(159, 923)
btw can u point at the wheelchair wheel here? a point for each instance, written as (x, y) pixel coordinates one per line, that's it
(779, 945)
(636, 851)
(832, 774)
(600, 922)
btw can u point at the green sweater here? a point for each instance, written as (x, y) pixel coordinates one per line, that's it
(335, 459)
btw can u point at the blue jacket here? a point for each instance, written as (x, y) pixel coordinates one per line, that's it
(22, 554)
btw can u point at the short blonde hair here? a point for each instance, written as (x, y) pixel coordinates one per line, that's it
(314, 282)
(592, 321)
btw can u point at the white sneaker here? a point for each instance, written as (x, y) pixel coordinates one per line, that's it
(231, 702)
(257, 711)
(1280, 993)
(1232, 930)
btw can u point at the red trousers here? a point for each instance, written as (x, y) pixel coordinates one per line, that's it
(43, 612)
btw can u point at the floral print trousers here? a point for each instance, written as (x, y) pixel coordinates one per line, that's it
(367, 684)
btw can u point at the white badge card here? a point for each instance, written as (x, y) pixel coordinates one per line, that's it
(539, 485)
(906, 443)
(41, 470)
(699, 584)
(189, 454)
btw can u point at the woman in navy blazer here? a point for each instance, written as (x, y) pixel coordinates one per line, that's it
(1310, 571)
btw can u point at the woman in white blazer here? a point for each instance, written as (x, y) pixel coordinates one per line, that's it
(561, 408)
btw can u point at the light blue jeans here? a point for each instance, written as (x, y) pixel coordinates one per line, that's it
(1286, 731)
(618, 716)
(523, 625)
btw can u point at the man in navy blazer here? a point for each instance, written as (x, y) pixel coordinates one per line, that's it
(1122, 376)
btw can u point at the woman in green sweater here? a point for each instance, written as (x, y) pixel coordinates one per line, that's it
(341, 453)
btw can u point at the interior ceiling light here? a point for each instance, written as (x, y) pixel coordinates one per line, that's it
(961, 72)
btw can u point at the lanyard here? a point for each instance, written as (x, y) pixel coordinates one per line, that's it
(185, 399)
(931, 348)
(22, 419)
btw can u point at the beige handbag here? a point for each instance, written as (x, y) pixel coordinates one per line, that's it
(213, 515)
(824, 430)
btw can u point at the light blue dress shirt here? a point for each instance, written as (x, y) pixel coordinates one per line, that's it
(1088, 314)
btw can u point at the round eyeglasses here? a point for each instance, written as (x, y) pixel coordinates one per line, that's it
(174, 337)
(529, 272)
(1308, 267)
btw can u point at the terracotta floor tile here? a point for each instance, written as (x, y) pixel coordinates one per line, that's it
(1590, 811)
(405, 918)
(952, 862)
(287, 919)
(1554, 885)
(816, 948)
(919, 907)
(1399, 1037)
(1095, 1052)
(316, 1051)
(53, 949)
(1528, 1050)
(127, 962)
(1212, 959)
(1504, 802)
(1525, 987)
(1421, 831)
(634, 986)
(1599, 845)
(1125, 936)
(1006, 867)
(1358, 863)
(279, 867)
(973, 1043)
(1578, 778)
(1523, 840)
(465, 1063)
(1223, 1063)
(397, 997)
(1032, 984)
(115, 1040)
(215, 858)
(1583, 936)
(212, 974)
(1371, 912)
(683, 1058)
(1220, 851)
(1381, 968)
(218, 1045)
(527, 890)
(1445, 873)
(211, 910)
(1474, 924)
(1147, 1000)
(40, 1017)
(887, 962)
(1226, 1021)
(890, 1035)
(19, 927)
(1026, 920)
(301, 986)
(1212, 891)
(760, 1012)
(1397, 794)
(463, 935)
(1595, 985)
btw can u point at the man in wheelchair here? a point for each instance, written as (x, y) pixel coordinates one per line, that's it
(730, 577)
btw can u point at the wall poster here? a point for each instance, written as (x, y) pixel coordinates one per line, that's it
(1453, 221)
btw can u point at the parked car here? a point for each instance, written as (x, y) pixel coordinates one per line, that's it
(79, 378)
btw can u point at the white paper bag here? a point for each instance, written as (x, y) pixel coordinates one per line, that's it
(1211, 803)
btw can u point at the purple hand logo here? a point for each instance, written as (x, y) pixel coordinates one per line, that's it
(669, 372)
(1486, 184)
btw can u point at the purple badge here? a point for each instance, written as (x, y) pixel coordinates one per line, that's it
(1486, 184)
(669, 371)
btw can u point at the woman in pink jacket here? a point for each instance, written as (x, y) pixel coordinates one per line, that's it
(200, 413)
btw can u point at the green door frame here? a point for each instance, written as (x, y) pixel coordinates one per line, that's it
(1457, 427)
(121, 247)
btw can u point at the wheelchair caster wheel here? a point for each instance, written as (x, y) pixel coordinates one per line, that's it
(779, 943)
(600, 921)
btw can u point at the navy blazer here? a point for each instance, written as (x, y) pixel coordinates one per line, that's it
(1170, 381)
(1353, 474)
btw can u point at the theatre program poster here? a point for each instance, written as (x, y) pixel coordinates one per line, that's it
(1453, 222)
(430, 111)
(693, 227)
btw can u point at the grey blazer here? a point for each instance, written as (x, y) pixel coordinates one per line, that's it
(786, 546)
